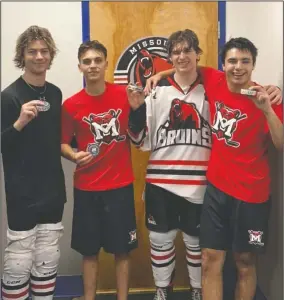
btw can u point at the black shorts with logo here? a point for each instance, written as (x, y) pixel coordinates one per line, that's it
(166, 211)
(231, 224)
(104, 219)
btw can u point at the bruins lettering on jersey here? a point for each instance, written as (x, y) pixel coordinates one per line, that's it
(185, 127)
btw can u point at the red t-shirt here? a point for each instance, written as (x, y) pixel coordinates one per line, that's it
(100, 123)
(239, 163)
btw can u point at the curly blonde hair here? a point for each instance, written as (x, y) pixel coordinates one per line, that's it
(33, 33)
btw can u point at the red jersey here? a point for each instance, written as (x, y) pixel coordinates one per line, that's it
(100, 126)
(239, 163)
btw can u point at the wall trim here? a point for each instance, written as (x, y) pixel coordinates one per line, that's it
(221, 29)
(85, 20)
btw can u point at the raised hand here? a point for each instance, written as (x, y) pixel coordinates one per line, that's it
(275, 94)
(28, 112)
(261, 99)
(135, 98)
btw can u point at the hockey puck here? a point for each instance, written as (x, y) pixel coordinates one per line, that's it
(248, 92)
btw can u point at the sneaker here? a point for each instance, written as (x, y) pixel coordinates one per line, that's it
(196, 294)
(163, 293)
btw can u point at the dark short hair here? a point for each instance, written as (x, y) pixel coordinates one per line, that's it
(33, 33)
(187, 36)
(91, 45)
(239, 43)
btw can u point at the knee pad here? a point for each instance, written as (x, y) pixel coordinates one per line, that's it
(190, 241)
(162, 239)
(47, 252)
(18, 257)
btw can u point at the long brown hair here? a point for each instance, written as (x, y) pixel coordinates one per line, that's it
(33, 33)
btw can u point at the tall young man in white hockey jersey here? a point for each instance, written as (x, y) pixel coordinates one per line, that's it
(173, 124)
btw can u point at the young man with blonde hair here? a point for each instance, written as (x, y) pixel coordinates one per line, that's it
(34, 179)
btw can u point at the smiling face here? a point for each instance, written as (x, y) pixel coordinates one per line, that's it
(184, 58)
(37, 57)
(93, 65)
(238, 66)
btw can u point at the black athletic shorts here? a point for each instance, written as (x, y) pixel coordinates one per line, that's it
(104, 219)
(166, 211)
(23, 216)
(231, 224)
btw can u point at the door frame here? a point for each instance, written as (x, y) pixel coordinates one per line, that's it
(221, 25)
(86, 35)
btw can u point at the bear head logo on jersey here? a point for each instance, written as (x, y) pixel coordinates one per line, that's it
(184, 126)
(225, 123)
(105, 129)
(183, 115)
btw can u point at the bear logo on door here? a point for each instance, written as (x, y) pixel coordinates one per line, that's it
(141, 60)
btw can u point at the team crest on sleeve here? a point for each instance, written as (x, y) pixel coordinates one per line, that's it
(225, 123)
(105, 128)
(185, 126)
(141, 60)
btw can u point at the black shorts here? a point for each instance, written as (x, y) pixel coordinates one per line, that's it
(166, 211)
(231, 224)
(104, 219)
(22, 216)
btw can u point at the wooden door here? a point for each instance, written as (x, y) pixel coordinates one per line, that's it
(120, 26)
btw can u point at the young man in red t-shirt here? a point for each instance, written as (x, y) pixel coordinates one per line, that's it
(104, 214)
(236, 203)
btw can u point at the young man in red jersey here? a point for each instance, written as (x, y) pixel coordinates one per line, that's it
(104, 214)
(237, 200)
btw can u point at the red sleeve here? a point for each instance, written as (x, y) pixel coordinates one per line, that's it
(67, 125)
(210, 77)
(278, 109)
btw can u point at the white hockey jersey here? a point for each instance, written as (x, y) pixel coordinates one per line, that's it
(178, 135)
